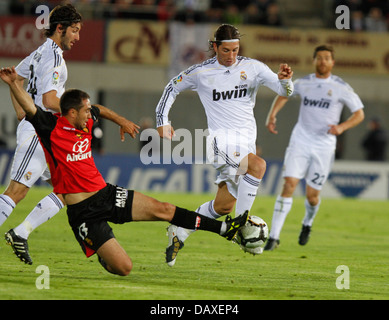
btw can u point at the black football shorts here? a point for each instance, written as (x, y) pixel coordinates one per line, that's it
(89, 218)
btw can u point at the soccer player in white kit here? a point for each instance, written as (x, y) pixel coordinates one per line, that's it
(311, 149)
(227, 85)
(46, 72)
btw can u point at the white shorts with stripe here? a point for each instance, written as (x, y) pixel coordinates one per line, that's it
(302, 161)
(29, 162)
(225, 151)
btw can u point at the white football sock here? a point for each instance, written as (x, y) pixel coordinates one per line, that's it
(7, 205)
(206, 209)
(310, 213)
(281, 210)
(47, 208)
(247, 191)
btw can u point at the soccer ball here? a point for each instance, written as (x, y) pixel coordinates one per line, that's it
(253, 235)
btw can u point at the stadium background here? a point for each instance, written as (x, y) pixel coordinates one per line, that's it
(130, 49)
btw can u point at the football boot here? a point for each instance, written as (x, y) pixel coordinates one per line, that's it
(272, 244)
(19, 246)
(304, 235)
(174, 245)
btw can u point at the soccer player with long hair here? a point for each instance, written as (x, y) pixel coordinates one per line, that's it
(46, 73)
(227, 85)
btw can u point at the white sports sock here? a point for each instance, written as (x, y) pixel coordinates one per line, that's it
(7, 205)
(281, 210)
(247, 191)
(47, 208)
(206, 209)
(310, 213)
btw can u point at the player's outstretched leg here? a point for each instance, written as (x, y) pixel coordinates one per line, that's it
(228, 231)
(178, 235)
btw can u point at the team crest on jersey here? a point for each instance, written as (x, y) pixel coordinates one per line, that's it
(329, 93)
(28, 175)
(55, 77)
(243, 75)
(178, 79)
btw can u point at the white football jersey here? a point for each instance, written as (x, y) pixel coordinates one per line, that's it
(322, 102)
(45, 70)
(228, 94)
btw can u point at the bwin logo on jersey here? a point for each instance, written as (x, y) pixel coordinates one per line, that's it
(323, 103)
(232, 94)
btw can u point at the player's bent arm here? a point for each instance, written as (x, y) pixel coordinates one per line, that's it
(126, 126)
(51, 101)
(20, 114)
(10, 77)
(277, 105)
(355, 119)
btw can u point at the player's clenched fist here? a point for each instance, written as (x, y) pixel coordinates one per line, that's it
(285, 72)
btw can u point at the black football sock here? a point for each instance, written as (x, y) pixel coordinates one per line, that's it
(194, 221)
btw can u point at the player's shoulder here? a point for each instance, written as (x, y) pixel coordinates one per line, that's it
(258, 67)
(305, 80)
(50, 53)
(243, 61)
(340, 82)
(210, 63)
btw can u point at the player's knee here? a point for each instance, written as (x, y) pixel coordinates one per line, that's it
(223, 209)
(16, 191)
(289, 187)
(256, 166)
(123, 269)
(313, 200)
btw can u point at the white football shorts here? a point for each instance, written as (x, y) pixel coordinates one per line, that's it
(225, 151)
(29, 162)
(303, 161)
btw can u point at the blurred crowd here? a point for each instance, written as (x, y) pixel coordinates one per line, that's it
(264, 12)
(365, 15)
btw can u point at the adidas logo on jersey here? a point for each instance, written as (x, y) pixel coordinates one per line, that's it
(323, 103)
(239, 92)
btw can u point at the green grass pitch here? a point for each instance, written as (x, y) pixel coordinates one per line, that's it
(348, 232)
